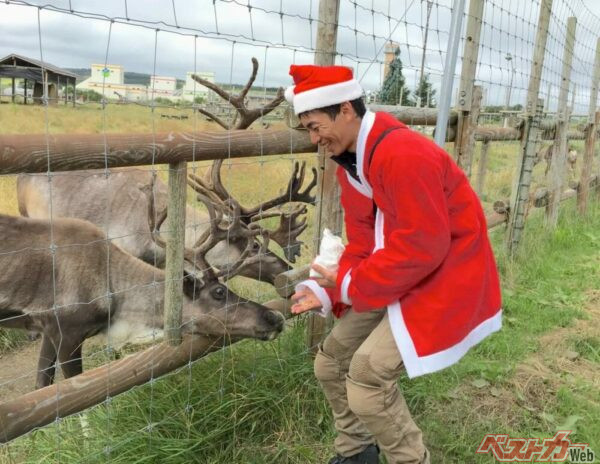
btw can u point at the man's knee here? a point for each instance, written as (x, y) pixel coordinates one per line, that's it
(365, 387)
(331, 361)
(326, 367)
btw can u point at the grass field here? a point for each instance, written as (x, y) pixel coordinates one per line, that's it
(259, 402)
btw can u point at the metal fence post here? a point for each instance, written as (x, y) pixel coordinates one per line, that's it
(458, 8)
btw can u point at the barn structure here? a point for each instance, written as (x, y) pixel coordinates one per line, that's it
(42, 78)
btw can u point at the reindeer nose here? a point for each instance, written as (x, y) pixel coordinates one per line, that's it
(275, 319)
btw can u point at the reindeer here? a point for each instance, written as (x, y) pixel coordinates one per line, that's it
(117, 204)
(65, 280)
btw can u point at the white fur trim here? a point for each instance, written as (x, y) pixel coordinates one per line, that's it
(344, 291)
(415, 365)
(361, 144)
(327, 95)
(320, 293)
(365, 127)
(289, 94)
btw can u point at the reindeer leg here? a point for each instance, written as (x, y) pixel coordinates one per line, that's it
(70, 360)
(46, 363)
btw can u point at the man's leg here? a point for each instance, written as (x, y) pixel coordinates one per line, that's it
(374, 397)
(331, 366)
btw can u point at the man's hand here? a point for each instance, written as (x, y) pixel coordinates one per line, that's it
(328, 279)
(305, 301)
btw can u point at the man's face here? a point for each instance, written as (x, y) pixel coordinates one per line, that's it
(334, 136)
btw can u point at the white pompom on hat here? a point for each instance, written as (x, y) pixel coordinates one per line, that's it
(320, 86)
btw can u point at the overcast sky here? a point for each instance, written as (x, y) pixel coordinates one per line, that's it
(228, 35)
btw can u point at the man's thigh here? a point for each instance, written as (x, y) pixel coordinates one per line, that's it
(350, 332)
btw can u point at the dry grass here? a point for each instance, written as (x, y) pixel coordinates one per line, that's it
(8, 195)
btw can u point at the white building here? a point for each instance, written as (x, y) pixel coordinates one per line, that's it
(108, 80)
(192, 89)
(162, 87)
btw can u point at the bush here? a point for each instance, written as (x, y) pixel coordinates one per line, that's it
(89, 95)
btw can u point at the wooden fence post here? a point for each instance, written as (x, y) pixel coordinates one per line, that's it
(329, 208)
(559, 149)
(468, 108)
(175, 243)
(467, 132)
(530, 133)
(482, 167)
(590, 138)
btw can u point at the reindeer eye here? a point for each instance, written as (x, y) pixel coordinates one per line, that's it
(256, 246)
(219, 292)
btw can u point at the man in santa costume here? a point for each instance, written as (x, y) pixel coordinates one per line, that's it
(417, 284)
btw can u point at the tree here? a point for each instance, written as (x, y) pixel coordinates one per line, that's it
(394, 90)
(89, 95)
(425, 92)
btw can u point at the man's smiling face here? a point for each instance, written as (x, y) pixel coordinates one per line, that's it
(336, 135)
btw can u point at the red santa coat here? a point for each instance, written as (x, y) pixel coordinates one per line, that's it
(423, 252)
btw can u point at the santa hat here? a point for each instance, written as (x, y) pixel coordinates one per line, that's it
(319, 86)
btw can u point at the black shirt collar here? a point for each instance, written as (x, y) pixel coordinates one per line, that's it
(347, 160)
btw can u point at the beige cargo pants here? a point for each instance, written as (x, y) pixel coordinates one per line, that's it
(358, 365)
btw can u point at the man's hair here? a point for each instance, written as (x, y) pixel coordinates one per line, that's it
(333, 110)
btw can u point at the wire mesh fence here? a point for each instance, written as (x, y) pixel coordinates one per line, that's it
(175, 69)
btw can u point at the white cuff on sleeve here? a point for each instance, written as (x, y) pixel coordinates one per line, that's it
(345, 284)
(320, 293)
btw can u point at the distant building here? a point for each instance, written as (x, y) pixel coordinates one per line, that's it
(164, 87)
(33, 78)
(390, 53)
(108, 80)
(193, 89)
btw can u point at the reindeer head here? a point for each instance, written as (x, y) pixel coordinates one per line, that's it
(210, 308)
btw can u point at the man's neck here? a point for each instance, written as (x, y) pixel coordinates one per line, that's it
(355, 131)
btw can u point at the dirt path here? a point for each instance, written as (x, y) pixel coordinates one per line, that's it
(17, 370)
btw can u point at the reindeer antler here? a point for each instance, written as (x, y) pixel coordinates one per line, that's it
(247, 116)
(225, 224)
(286, 235)
(212, 183)
(154, 221)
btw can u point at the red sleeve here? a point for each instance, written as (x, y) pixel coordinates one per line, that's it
(412, 182)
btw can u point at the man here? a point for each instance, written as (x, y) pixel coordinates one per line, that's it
(417, 284)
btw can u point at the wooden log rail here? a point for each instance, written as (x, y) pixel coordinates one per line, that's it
(41, 407)
(70, 152)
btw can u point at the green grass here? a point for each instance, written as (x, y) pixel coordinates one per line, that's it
(259, 402)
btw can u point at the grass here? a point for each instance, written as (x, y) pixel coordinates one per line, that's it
(259, 402)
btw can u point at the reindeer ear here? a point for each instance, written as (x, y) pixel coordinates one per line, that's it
(191, 285)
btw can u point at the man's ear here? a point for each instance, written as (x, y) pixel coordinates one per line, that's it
(347, 110)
